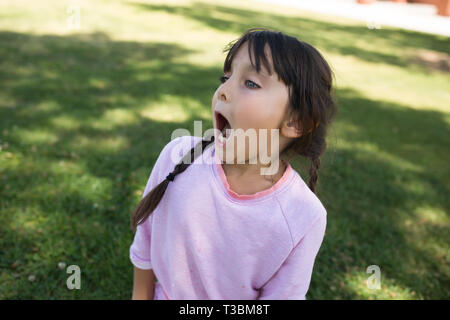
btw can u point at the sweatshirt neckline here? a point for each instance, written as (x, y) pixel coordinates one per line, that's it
(221, 178)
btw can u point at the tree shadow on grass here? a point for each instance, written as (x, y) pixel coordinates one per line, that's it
(347, 40)
(50, 182)
(380, 181)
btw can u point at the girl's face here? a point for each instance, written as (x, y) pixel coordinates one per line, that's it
(251, 100)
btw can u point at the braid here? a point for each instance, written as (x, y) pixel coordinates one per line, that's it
(190, 157)
(315, 149)
(148, 204)
(313, 176)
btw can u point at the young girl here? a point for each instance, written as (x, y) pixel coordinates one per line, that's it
(224, 230)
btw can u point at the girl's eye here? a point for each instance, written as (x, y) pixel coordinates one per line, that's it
(224, 78)
(256, 86)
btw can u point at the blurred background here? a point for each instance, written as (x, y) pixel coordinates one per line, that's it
(90, 92)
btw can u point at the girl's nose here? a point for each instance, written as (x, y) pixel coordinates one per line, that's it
(222, 96)
(224, 91)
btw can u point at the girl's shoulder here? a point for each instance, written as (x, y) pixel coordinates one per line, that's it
(301, 208)
(179, 144)
(174, 151)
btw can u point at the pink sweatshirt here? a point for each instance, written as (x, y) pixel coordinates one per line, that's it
(206, 242)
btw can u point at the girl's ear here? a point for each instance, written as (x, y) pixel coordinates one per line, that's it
(291, 128)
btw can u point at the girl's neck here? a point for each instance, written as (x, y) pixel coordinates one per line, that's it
(252, 172)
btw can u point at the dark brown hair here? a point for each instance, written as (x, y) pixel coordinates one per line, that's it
(309, 79)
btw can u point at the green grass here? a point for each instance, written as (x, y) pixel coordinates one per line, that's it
(84, 114)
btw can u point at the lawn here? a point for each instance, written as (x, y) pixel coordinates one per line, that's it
(84, 114)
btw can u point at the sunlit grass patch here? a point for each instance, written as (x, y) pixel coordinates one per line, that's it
(361, 282)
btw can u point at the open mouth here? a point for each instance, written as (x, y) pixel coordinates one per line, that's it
(222, 125)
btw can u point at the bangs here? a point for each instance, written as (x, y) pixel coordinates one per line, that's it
(257, 40)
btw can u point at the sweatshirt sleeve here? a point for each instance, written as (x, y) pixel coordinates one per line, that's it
(291, 281)
(140, 248)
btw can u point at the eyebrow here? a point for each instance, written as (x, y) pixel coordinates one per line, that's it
(250, 67)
